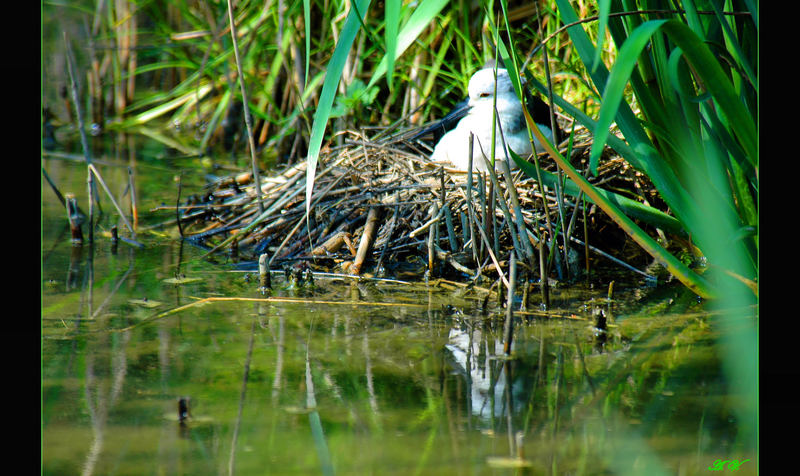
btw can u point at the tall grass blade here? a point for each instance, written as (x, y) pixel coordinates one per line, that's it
(604, 8)
(640, 153)
(718, 84)
(189, 97)
(419, 19)
(247, 118)
(752, 7)
(615, 86)
(632, 208)
(392, 24)
(307, 22)
(701, 148)
(689, 278)
(333, 75)
(733, 45)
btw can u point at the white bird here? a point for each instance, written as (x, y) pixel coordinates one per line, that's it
(454, 145)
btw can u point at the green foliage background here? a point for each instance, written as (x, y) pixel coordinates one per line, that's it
(679, 80)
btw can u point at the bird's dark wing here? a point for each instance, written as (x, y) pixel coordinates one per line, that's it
(445, 124)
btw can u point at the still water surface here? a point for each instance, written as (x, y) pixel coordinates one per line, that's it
(354, 377)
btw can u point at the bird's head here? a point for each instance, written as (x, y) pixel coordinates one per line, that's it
(481, 85)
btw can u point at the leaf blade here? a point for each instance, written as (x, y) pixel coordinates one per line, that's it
(333, 75)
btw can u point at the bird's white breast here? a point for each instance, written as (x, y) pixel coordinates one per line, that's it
(454, 146)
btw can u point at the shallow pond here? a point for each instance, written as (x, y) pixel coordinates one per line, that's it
(355, 377)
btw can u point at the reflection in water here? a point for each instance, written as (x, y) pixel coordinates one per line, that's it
(475, 357)
(332, 384)
(373, 400)
(232, 459)
(314, 420)
(99, 400)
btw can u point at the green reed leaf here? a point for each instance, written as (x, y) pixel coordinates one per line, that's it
(615, 87)
(392, 24)
(419, 19)
(333, 75)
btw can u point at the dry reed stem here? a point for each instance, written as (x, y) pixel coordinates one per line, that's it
(370, 230)
(508, 325)
(360, 175)
(247, 119)
(96, 173)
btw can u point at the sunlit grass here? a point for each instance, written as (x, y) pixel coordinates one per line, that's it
(313, 68)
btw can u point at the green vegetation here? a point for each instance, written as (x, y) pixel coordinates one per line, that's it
(697, 137)
(678, 80)
(670, 87)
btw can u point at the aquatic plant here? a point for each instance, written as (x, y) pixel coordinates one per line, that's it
(678, 100)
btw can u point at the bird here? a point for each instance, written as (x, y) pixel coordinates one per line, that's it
(475, 115)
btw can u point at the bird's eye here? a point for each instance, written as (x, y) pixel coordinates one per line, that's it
(485, 95)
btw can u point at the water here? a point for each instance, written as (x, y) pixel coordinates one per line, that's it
(353, 377)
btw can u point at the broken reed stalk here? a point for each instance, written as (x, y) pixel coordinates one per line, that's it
(389, 233)
(442, 204)
(470, 205)
(442, 255)
(610, 291)
(54, 188)
(615, 260)
(504, 207)
(526, 288)
(183, 410)
(562, 219)
(79, 116)
(247, 119)
(91, 205)
(465, 224)
(332, 244)
(134, 209)
(367, 238)
(520, 221)
(92, 172)
(543, 285)
(75, 101)
(177, 206)
(508, 326)
(586, 239)
(493, 217)
(484, 214)
(451, 234)
(74, 219)
(265, 281)
(96, 173)
(432, 238)
(114, 239)
(491, 254)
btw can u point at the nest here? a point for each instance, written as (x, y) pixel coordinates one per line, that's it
(380, 207)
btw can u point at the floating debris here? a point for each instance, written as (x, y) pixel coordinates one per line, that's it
(146, 303)
(507, 462)
(182, 280)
